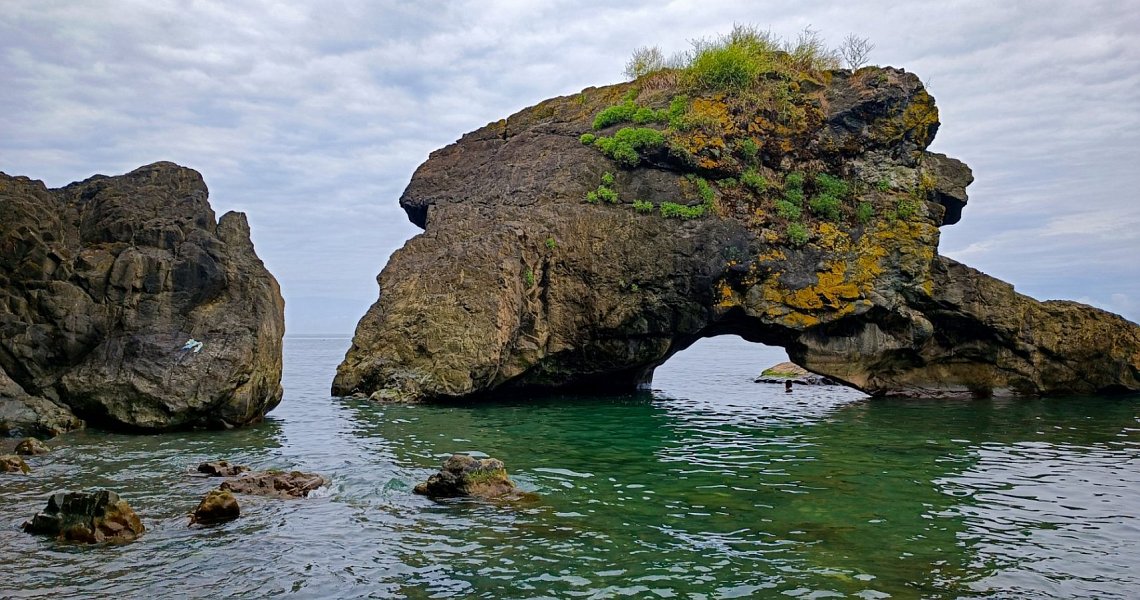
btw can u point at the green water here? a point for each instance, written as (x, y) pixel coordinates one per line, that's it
(711, 487)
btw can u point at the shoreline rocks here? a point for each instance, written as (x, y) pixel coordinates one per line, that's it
(465, 476)
(125, 302)
(90, 518)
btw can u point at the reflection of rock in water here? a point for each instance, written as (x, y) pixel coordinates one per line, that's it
(786, 372)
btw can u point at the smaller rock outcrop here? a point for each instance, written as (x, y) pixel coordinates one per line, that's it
(127, 303)
(463, 476)
(90, 518)
(786, 372)
(221, 468)
(11, 463)
(31, 447)
(275, 484)
(218, 506)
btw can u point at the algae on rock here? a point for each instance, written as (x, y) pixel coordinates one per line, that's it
(478, 303)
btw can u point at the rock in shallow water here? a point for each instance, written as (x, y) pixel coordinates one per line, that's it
(218, 506)
(518, 282)
(13, 464)
(31, 447)
(125, 301)
(221, 468)
(275, 484)
(99, 516)
(464, 475)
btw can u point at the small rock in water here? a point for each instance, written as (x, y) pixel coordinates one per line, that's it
(790, 372)
(218, 506)
(31, 446)
(275, 484)
(11, 463)
(221, 468)
(99, 516)
(463, 475)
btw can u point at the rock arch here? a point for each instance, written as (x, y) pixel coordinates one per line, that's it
(519, 281)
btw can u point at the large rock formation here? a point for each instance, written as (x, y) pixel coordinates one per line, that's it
(107, 286)
(804, 213)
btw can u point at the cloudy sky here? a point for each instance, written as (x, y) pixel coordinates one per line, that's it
(311, 116)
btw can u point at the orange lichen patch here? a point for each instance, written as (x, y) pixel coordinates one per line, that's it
(727, 297)
(843, 285)
(709, 124)
(774, 255)
(920, 117)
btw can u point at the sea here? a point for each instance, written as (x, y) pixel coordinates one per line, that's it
(708, 486)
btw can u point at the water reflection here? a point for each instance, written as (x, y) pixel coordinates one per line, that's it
(728, 490)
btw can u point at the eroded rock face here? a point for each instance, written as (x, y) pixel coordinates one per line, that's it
(519, 282)
(90, 518)
(464, 476)
(125, 302)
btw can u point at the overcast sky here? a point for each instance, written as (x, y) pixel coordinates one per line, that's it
(311, 117)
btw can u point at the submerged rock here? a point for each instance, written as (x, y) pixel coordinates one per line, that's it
(804, 214)
(276, 484)
(221, 468)
(124, 301)
(31, 447)
(94, 517)
(218, 506)
(463, 475)
(13, 464)
(785, 372)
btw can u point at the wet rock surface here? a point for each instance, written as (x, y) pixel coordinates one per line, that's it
(466, 476)
(790, 372)
(11, 463)
(31, 447)
(94, 517)
(275, 484)
(125, 302)
(218, 506)
(519, 282)
(221, 468)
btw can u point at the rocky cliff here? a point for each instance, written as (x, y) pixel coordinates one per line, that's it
(125, 302)
(583, 241)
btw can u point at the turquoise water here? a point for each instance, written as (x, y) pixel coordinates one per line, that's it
(709, 487)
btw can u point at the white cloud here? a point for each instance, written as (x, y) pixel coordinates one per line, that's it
(311, 116)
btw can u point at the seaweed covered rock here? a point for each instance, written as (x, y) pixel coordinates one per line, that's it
(275, 484)
(463, 476)
(218, 506)
(125, 302)
(582, 242)
(90, 518)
